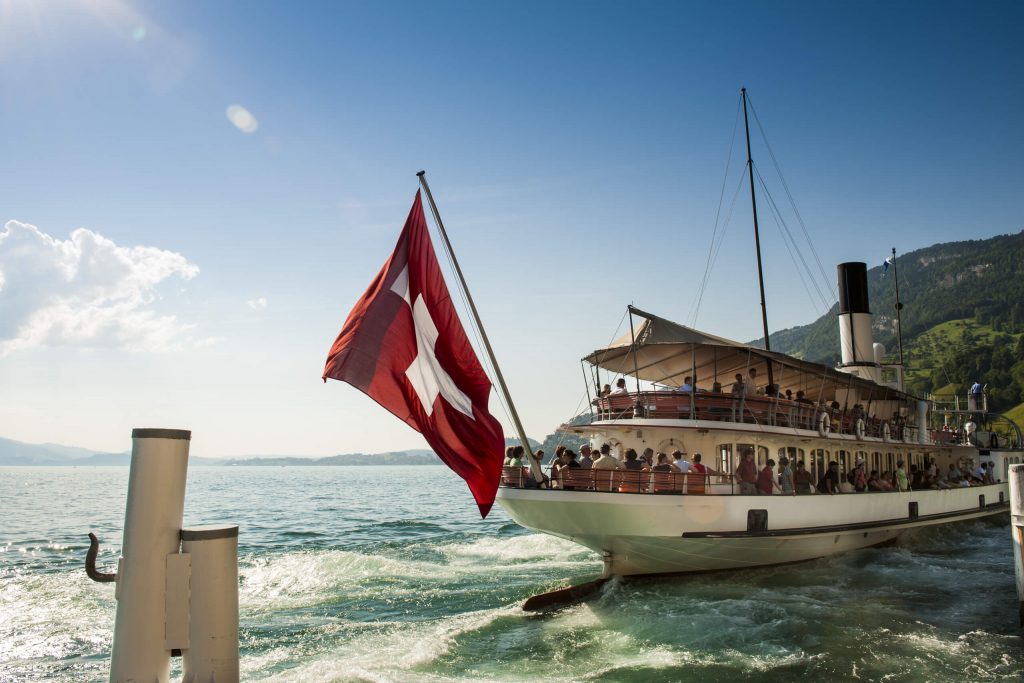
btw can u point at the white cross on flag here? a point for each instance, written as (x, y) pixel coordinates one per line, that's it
(404, 346)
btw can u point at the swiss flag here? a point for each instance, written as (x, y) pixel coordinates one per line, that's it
(404, 347)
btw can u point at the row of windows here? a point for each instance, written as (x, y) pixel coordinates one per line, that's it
(817, 459)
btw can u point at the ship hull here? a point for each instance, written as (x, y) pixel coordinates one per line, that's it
(638, 534)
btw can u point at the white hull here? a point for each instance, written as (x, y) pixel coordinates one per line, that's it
(657, 534)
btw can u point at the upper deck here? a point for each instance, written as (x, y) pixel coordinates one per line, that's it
(766, 411)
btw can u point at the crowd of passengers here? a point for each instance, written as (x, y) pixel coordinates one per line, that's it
(751, 387)
(785, 478)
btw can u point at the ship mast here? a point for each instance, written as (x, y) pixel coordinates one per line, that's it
(757, 236)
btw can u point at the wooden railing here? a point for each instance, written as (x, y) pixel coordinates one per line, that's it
(624, 481)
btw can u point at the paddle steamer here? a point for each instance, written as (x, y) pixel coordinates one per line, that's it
(651, 523)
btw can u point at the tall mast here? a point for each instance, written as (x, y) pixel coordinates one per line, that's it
(520, 432)
(757, 235)
(899, 306)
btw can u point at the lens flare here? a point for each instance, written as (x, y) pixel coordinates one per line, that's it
(242, 119)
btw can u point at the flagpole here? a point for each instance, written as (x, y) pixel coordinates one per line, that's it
(534, 465)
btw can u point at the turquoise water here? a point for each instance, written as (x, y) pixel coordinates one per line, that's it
(388, 574)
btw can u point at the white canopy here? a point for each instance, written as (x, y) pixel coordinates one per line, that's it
(666, 353)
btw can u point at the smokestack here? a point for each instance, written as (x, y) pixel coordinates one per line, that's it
(855, 336)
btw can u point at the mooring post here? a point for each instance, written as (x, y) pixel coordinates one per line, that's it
(1017, 530)
(152, 524)
(212, 655)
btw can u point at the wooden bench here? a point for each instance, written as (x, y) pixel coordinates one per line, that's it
(667, 482)
(606, 480)
(576, 479)
(513, 476)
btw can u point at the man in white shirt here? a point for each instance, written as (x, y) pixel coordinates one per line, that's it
(620, 386)
(680, 464)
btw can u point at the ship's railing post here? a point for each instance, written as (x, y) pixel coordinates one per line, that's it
(1017, 530)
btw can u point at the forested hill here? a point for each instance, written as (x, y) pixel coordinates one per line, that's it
(963, 318)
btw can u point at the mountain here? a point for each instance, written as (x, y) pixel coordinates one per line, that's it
(962, 319)
(22, 454)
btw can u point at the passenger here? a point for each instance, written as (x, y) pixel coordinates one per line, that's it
(585, 460)
(606, 461)
(679, 463)
(953, 475)
(979, 472)
(516, 457)
(662, 465)
(750, 386)
(802, 478)
(508, 457)
(829, 482)
(874, 482)
(620, 386)
(568, 463)
(902, 484)
(786, 480)
(859, 481)
(606, 390)
(716, 388)
(558, 455)
(697, 465)
(687, 384)
(990, 473)
(746, 474)
(647, 457)
(800, 398)
(789, 394)
(737, 386)
(766, 479)
(916, 478)
(632, 462)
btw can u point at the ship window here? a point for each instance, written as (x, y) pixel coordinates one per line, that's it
(762, 457)
(725, 458)
(876, 461)
(844, 462)
(889, 462)
(794, 454)
(819, 457)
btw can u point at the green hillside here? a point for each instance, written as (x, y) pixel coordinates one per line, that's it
(962, 317)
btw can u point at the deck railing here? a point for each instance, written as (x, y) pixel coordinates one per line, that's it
(763, 410)
(625, 481)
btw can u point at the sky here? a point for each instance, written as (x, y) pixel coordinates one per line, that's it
(193, 194)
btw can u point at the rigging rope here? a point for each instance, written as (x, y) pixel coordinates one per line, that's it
(712, 252)
(792, 202)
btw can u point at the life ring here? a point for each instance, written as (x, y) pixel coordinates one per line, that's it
(824, 424)
(886, 432)
(858, 428)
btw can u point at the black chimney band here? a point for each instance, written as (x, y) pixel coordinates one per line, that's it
(853, 287)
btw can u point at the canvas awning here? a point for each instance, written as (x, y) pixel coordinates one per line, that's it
(667, 352)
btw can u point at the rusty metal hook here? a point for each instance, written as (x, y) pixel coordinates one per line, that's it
(90, 562)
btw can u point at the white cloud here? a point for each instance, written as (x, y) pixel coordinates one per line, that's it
(84, 291)
(242, 118)
(257, 304)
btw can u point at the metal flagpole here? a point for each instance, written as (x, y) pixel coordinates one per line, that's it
(534, 465)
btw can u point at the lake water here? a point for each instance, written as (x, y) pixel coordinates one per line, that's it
(389, 574)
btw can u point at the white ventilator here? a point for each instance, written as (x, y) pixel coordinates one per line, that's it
(177, 589)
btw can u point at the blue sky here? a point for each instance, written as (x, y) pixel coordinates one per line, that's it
(576, 150)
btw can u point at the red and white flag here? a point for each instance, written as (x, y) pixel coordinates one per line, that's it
(404, 347)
